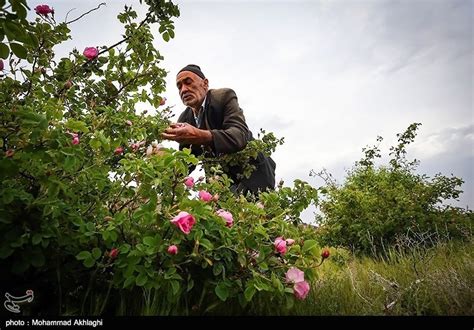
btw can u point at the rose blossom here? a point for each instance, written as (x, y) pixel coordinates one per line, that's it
(184, 221)
(227, 216)
(113, 253)
(44, 10)
(301, 290)
(173, 249)
(189, 181)
(280, 245)
(294, 275)
(205, 196)
(90, 52)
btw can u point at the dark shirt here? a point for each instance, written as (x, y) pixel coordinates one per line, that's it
(223, 117)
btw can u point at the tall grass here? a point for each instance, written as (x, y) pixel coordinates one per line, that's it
(420, 281)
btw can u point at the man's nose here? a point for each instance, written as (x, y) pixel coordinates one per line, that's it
(183, 89)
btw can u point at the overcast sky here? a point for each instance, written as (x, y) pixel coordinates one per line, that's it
(329, 76)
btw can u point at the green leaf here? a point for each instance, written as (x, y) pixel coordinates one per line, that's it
(263, 266)
(89, 262)
(309, 245)
(166, 36)
(277, 284)
(36, 239)
(69, 163)
(18, 8)
(129, 281)
(124, 248)
(251, 242)
(96, 253)
(84, 255)
(222, 291)
(141, 279)
(175, 287)
(32, 40)
(18, 50)
(148, 240)
(4, 50)
(207, 244)
(249, 292)
(77, 126)
(217, 268)
(95, 144)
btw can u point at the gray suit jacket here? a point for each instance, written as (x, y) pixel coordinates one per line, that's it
(225, 119)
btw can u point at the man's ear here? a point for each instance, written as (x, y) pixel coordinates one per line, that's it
(206, 83)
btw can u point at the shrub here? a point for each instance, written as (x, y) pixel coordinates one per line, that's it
(376, 204)
(92, 208)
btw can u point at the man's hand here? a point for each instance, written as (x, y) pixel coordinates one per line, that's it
(184, 133)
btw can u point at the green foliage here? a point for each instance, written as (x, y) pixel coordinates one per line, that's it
(87, 194)
(16, 35)
(377, 204)
(245, 160)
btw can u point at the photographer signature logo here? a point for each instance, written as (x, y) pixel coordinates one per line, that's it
(12, 301)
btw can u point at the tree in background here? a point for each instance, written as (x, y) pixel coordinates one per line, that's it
(377, 205)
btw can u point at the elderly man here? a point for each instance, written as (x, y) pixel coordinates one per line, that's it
(213, 124)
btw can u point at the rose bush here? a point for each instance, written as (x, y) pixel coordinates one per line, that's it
(93, 208)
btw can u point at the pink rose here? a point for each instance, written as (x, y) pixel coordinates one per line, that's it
(1, 65)
(128, 122)
(260, 205)
(173, 249)
(227, 216)
(75, 139)
(90, 53)
(44, 10)
(290, 241)
(301, 290)
(280, 245)
(294, 275)
(113, 253)
(163, 101)
(189, 182)
(184, 221)
(204, 196)
(118, 150)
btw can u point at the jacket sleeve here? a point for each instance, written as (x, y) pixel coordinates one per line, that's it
(234, 133)
(182, 119)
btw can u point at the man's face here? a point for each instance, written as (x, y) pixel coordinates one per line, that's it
(192, 89)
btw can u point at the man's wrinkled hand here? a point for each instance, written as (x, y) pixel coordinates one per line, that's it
(184, 133)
